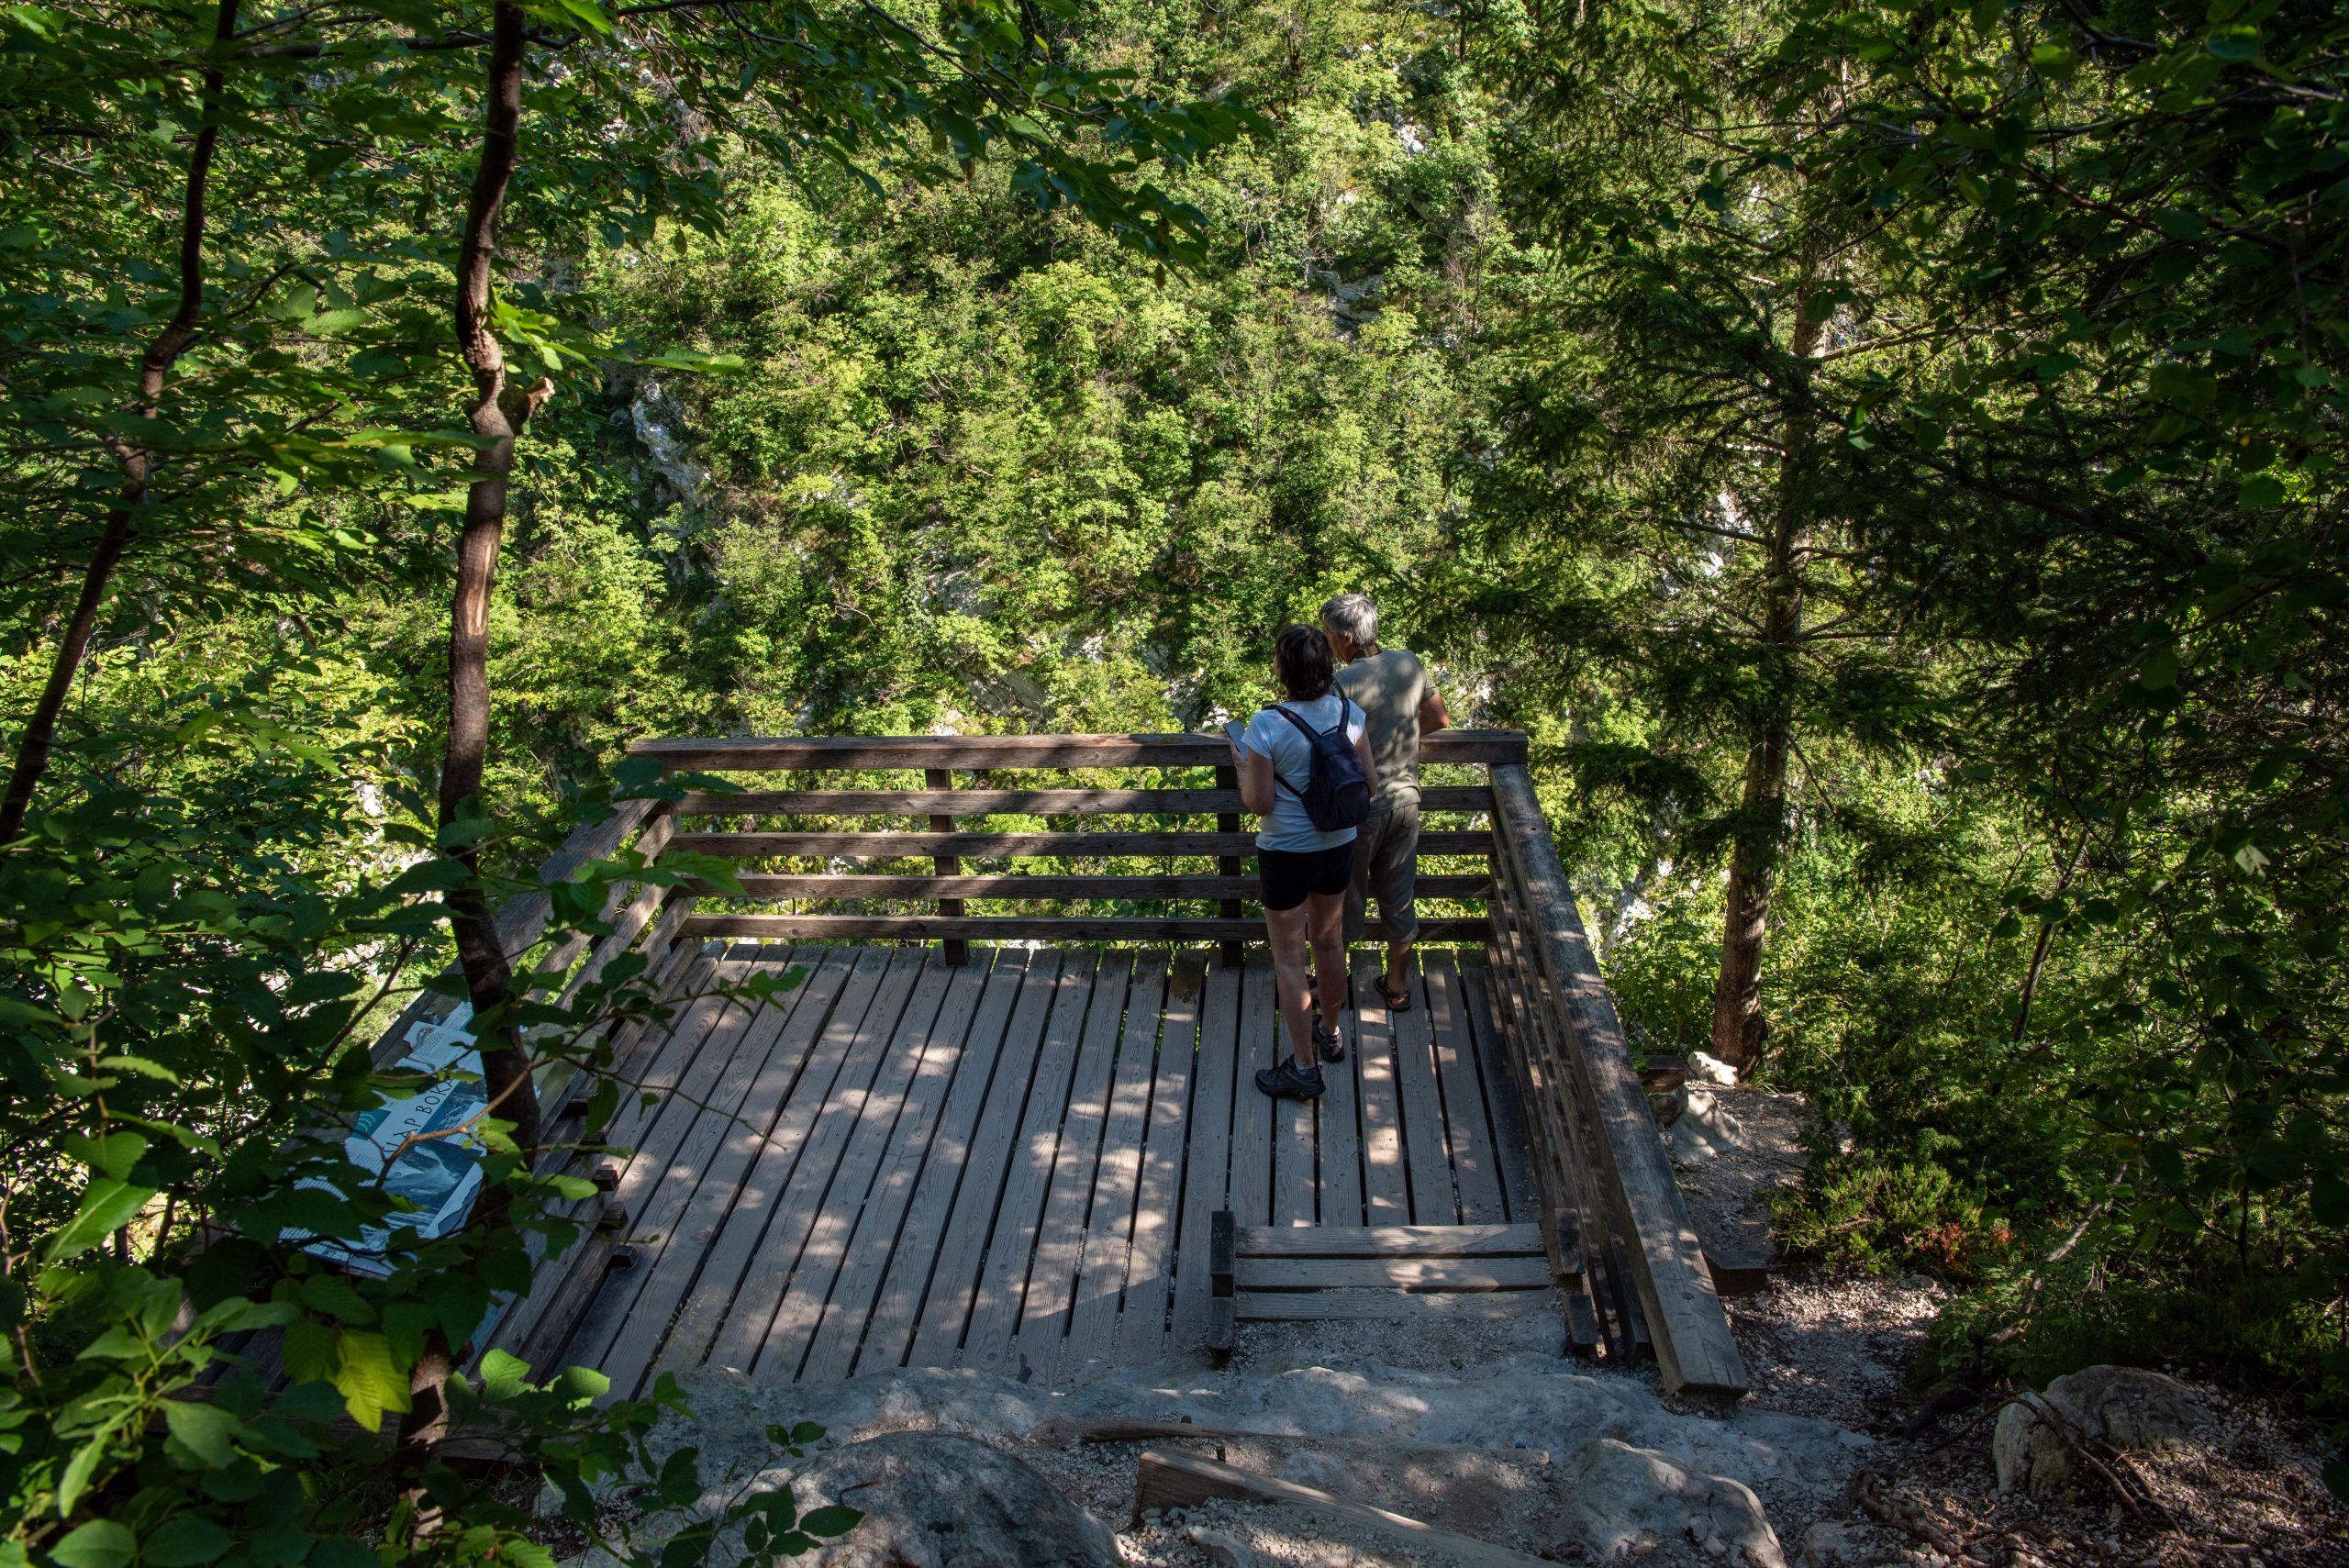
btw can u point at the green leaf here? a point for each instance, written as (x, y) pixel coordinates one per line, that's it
(206, 1431)
(2158, 669)
(830, 1521)
(2181, 223)
(2261, 490)
(101, 1543)
(368, 1379)
(679, 1479)
(107, 1205)
(184, 1541)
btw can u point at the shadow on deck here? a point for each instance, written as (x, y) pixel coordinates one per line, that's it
(1010, 1164)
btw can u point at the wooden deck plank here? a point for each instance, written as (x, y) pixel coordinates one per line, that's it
(626, 1320)
(1466, 1121)
(1149, 1281)
(1425, 1159)
(1206, 1166)
(940, 1169)
(852, 1055)
(825, 1249)
(1512, 1154)
(1337, 1128)
(1386, 1197)
(954, 1279)
(739, 1257)
(976, 1007)
(988, 1343)
(731, 1208)
(1262, 1041)
(1044, 1313)
(1109, 1228)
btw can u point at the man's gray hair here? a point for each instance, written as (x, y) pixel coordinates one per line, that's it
(1353, 615)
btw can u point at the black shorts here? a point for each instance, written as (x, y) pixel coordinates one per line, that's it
(1288, 875)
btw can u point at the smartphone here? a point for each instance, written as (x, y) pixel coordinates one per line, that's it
(1235, 730)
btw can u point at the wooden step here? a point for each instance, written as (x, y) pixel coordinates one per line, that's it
(1388, 1241)
(1392, 1273)
(1387, 1306)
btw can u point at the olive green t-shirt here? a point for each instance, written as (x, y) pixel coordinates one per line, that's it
(1389, 686)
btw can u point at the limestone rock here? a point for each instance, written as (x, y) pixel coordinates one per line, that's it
(1630, 1501)
(2135, 1410)
(1705, 1068)
(932, 1500)
(1223, 1551)
(1707, 1128)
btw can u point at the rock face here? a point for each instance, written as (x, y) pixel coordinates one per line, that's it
(1706, 1129)
(2134, 1410)
(933, 1500)
(1629, 1501)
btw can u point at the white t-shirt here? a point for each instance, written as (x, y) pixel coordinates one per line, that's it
(1269, 735)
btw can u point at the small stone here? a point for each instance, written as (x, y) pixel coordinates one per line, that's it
(1223, 1551)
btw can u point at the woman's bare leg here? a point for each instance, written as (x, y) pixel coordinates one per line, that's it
(1286, 929)
(1325, 921)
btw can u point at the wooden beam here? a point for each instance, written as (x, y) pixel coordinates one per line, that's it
(853, 884)
(1390, 1241)
(1018, 802)
(1389, 1306)
(1171, 1478)
(818, 753)
(942, 782)
(1066, 846)
(1693, 1346)
(1021, 927)
(1393, 1274)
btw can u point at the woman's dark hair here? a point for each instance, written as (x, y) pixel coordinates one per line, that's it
(1301, 659)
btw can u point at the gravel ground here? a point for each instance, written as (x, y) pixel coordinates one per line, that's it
(1843, 1349)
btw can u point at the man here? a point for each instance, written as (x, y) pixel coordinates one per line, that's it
(1391, 688)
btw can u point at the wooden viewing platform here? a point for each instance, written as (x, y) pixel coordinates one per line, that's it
(1021, 1137)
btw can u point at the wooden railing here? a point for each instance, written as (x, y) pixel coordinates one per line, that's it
(1609, 1195)
(1188, 822)
(1618, 1232)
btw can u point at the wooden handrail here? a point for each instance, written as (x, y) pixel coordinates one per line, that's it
(799, 753)
(1016, 802)
(1684, 1315)
(1081, 846)
(884, 886)
(1022, 928)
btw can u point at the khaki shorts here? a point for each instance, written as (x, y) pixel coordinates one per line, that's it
(1387, 867)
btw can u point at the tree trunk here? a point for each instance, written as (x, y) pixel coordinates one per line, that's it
(498, 416)
(40, 729)
(499, 412)
(1739, 1026)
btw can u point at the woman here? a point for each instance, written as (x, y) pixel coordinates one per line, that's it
(1303, 870)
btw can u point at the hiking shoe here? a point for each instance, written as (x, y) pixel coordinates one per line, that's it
(1290, 1080)
(1331, 1044)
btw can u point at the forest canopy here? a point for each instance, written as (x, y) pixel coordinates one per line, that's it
(1889, 459)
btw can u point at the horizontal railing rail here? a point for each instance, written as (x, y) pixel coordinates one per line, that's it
(748, 753)
(1016, 802)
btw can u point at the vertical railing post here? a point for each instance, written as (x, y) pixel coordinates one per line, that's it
(1228, 777)
(957, 950)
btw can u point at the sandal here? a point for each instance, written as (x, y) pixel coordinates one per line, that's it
(1397, 1002)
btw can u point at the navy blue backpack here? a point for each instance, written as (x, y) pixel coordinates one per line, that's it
(1336, 794)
